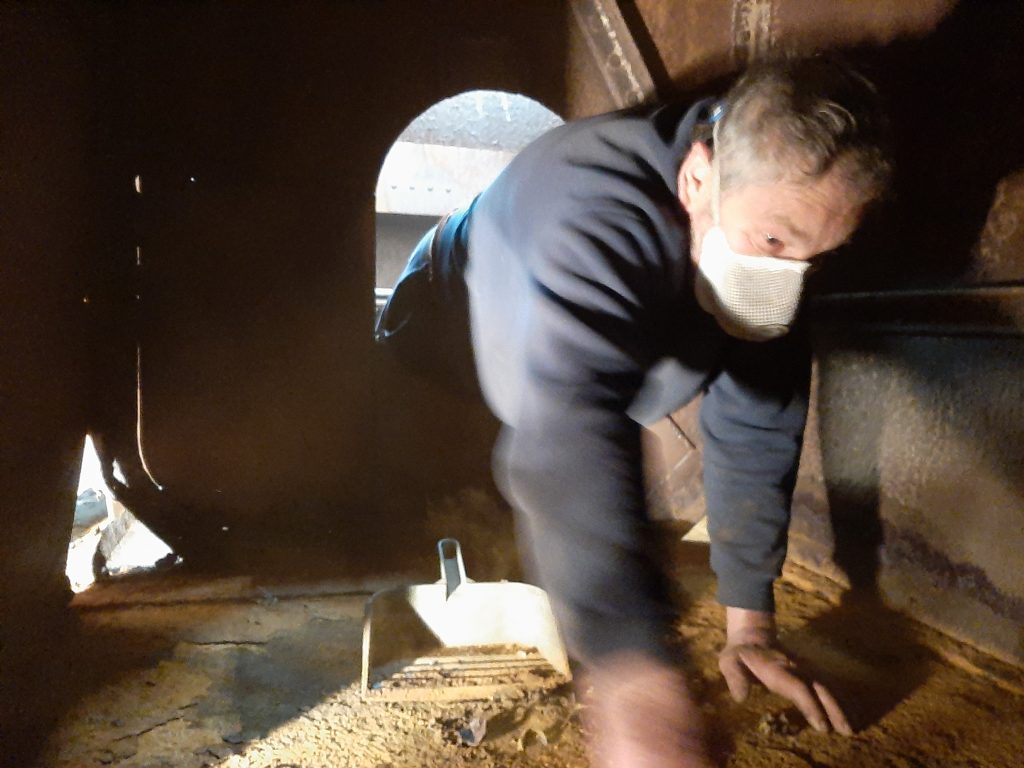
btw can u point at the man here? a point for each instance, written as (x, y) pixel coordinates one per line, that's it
(618, 267)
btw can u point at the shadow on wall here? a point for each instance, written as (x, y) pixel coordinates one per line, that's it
(922, 439)
(957, 106)
(957, 110)
(921, 425)
(922, 442)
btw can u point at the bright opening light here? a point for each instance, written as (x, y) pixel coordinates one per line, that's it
(107, 539)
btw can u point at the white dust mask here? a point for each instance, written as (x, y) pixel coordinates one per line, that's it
(751, 297)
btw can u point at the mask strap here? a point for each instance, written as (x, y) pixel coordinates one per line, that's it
(716, 178)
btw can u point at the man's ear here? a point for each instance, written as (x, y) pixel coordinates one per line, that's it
(694, 180)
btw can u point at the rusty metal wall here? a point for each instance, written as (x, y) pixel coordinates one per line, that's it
(912, 483)
(204, 173)
(697, 41)
(921, 348)
(48, 235)
(257, 134)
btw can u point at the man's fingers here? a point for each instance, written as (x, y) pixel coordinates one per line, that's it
(735, 674)
(774, 671)
(833, 710)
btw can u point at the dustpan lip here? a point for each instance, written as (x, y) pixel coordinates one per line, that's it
(405, 588)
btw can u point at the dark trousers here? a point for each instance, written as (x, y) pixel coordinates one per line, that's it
(425, 323)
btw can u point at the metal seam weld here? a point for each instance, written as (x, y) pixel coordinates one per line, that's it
(753, 25)
(617, 56)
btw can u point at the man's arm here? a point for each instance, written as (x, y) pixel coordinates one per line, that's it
(751, 651)
(572, 463)
(753, 421)
(753, 418)
(572, 468)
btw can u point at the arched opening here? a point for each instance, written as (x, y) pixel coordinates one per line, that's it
(444, 158)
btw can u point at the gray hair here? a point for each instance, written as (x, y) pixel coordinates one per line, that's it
(798, 119)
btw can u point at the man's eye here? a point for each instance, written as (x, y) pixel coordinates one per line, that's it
(771, 245)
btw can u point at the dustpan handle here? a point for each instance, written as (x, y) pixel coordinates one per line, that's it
(453, 570)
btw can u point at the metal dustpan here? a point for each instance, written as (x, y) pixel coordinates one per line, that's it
(459, 639)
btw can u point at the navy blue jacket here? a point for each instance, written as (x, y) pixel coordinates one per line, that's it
(584, 325)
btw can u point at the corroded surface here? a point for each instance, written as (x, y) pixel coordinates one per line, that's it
(699, 40)
(912, 479)
(999, 254)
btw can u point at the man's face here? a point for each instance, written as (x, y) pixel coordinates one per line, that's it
(789, 220)
(784, 219)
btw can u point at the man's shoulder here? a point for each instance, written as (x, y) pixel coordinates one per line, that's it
(617, 139)
(613, 162)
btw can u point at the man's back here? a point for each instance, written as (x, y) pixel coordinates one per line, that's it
(592, 202)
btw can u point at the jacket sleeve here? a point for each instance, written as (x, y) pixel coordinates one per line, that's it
(571, 465)
(753, 417)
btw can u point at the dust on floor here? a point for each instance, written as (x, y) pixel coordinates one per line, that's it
(269, 677)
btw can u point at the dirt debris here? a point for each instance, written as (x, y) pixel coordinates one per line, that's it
(253, 683)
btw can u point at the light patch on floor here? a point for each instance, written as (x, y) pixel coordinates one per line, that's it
(268, 677)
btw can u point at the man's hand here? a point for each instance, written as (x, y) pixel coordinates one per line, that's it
(640, 715)
(751, 653)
